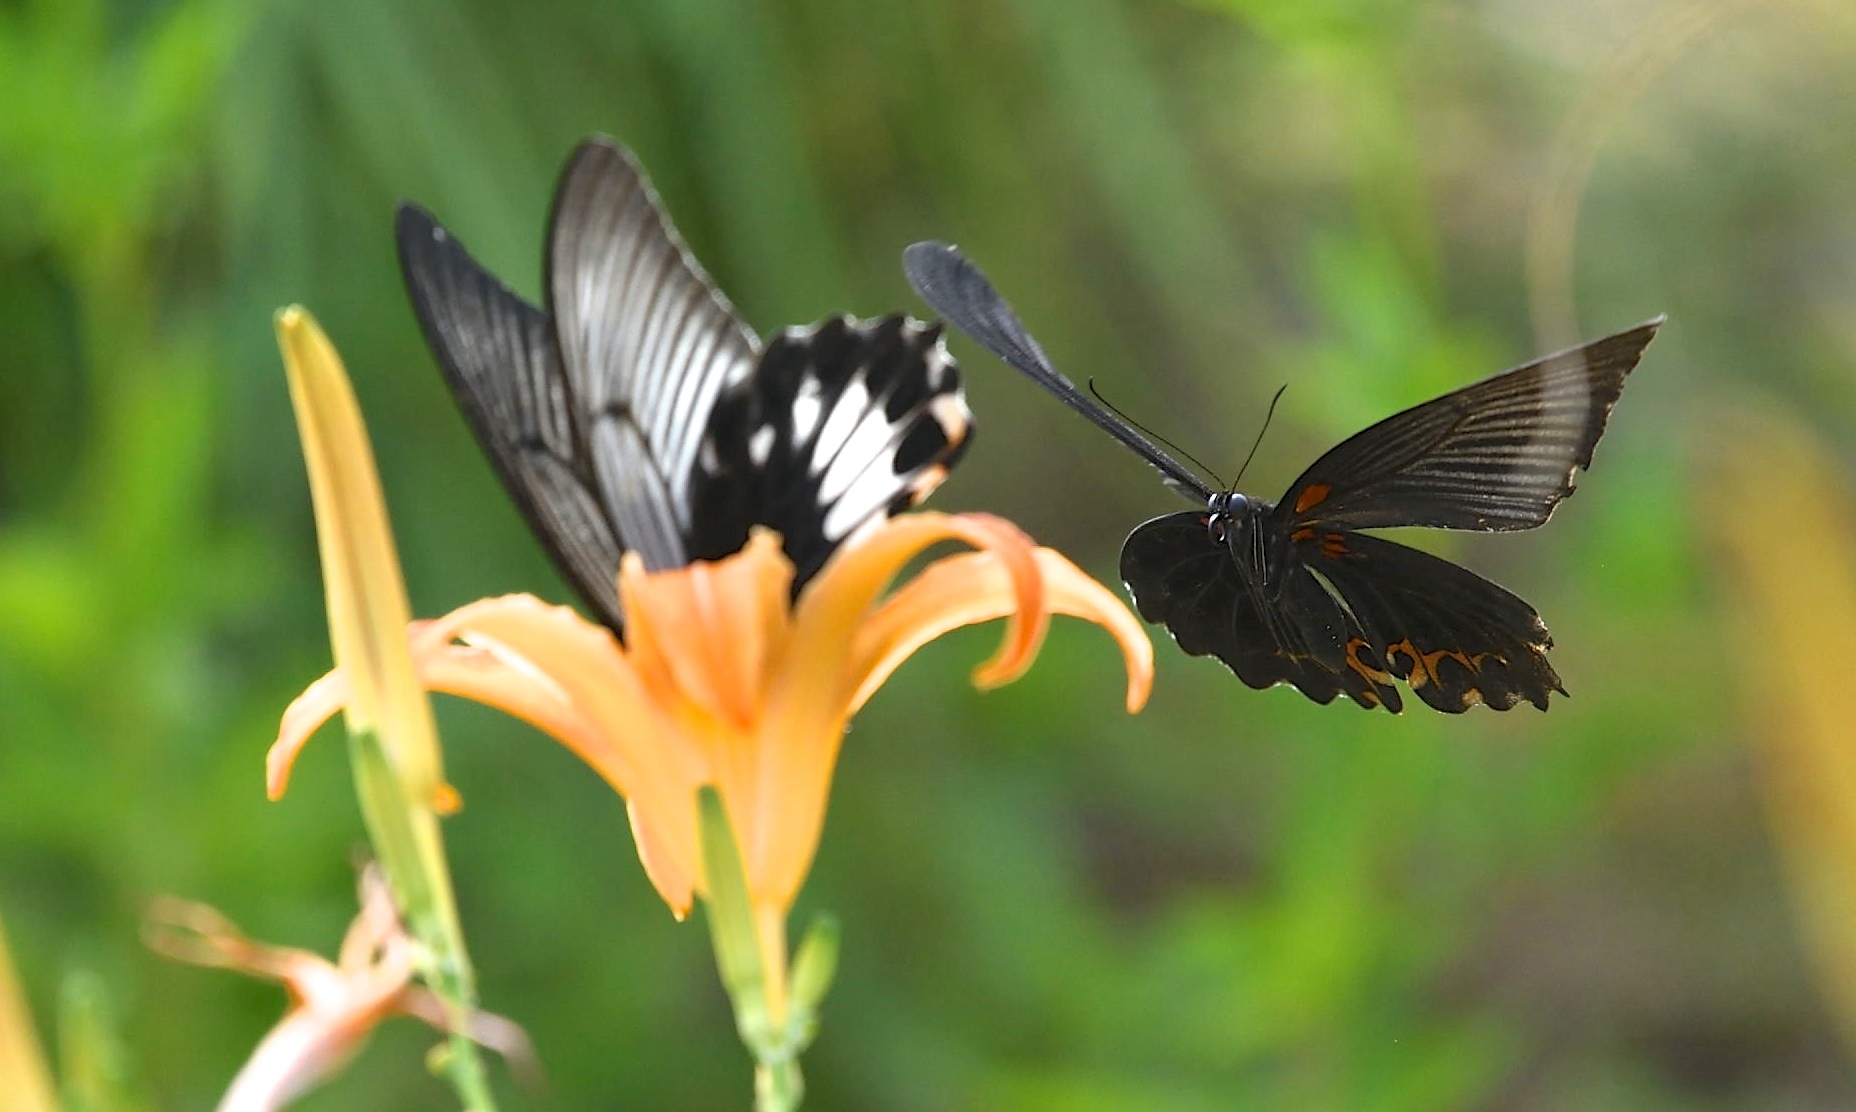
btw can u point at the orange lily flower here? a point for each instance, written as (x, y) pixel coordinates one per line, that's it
(334, 1006)
(721, 682)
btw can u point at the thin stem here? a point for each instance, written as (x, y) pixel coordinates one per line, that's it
(750, 952)
(771, 922)
(778, 1086)
(407, 841)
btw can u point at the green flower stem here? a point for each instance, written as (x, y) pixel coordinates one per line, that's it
(406, 839)
(778, 1086)
(775, 1042)
(814, 969)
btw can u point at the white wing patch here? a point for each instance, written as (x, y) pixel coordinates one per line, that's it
(862, 502)
(853, 400)
(872, 441)
(807, 407)
(760, 445)
(937, 363)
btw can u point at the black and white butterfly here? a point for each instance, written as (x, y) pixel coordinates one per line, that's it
(1292, 592)
(637, 411)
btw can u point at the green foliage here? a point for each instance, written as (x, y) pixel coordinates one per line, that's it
(1237, 899)
(91, 1056)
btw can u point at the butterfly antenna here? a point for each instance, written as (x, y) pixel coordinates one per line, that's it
(1259, 440)
(1116, 410)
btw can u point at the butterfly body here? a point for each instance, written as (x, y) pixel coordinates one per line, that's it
(1244, 526)
(1295, 591)
(635, 411)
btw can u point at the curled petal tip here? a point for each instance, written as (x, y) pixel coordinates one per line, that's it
(1069, 591)
(306, 713)
(446, 800)
(1027, 623)
(1012, 660)
(1140, 686)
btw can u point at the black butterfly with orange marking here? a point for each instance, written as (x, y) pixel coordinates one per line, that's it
(637, 411)
(1292, 592)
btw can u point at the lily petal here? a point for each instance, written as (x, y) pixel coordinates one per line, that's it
(675, 883)
(721, 682)
(495, 670)
(810, 695)
(476, 673)
(334, 1006)
(486, 1029)
(974, 587)
(647, 759)
(319, 702)
(302, 1051)
(366, 597)
(333, 1009)
(702, 638)
(711, 624)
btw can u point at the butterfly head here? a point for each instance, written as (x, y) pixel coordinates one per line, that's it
(1230, 514)
(1242, 525)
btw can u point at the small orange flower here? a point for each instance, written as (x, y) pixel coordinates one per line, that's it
(334, 1007)
(722, 682)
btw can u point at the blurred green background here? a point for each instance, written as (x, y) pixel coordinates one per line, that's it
(1236, 900)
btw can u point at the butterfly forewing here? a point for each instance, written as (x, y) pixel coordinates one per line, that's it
(1499, 454)
(963, 294)
(498, 355)
(648, 342)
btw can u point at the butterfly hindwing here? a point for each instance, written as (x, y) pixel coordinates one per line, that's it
(1454, 637)
(1496, 455)
(842, 424)
(638, 412)
(1182, 579)
(1351, 615)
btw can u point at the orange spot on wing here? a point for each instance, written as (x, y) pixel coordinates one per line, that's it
(1312, 497)
(931, 477)
(1356, 648)
(1423, 668)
